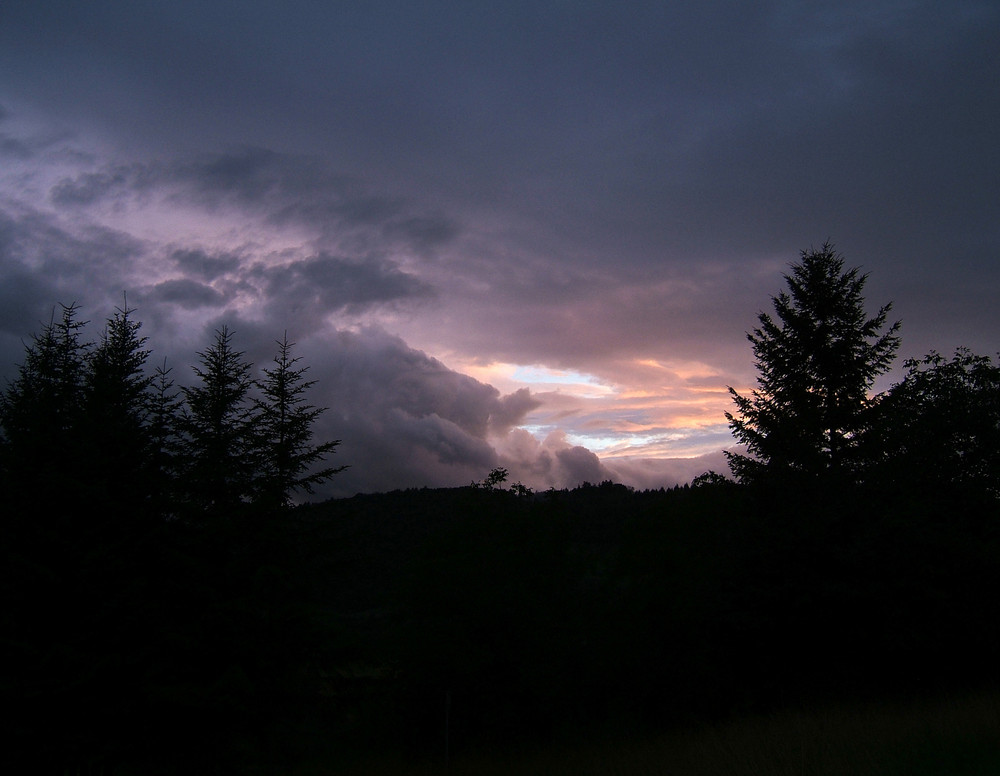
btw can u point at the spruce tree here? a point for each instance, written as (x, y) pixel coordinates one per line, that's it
(817, 362)
(288, 457)
(163, 419)
(40, 413)
(217, 425)
(116, 404)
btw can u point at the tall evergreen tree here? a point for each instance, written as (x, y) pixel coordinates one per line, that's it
(817, 362)
(219, 445)
(40, 413)
(289, 459)
(118, 446)
(163, 416)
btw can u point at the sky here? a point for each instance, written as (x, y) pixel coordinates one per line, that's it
(520, 234)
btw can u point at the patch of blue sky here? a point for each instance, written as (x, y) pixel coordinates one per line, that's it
(539, 431)
(604, 442)
(585, 385)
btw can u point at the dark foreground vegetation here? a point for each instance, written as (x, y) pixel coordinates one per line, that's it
(166, 609)
(443, 622)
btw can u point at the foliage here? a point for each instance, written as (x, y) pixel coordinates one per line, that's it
(938, 430)
(164, 406)
(117, 465)
(495, 480)
(41, 410)
(217, 425)
(123, 625)
(284, 425)
(85, 423)
(816, 362)
(710, 479)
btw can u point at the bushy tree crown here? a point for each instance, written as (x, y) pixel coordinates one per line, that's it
(816, 361)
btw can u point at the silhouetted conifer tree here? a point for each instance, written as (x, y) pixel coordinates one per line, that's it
(118, 460)
(163, 418)
(816, 364)
(40, 414)
(284, 426)
(219, 446)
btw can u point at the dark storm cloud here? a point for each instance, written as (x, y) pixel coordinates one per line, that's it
(672, 130)
(17, 147)
(580, 465)
(322, 284)
(252, 177)
(451, 444)
(283, 187)
(203, 264)
(87, 189)
(185, 293)
(381, 371)
(23, 292)
(511, 409)
(273, 188)
(14, 147)
(81, 263)
(405, 419)
(43, 265)
(551, 462)
(425, 233)
(116, 182)
(287, 189)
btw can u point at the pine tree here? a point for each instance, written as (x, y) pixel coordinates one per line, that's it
(163, 417)
(118, 460)
(41, 411)
(816, 363)
(288, 457)
(217, 425)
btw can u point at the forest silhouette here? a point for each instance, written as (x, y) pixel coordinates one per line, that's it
(169, 606)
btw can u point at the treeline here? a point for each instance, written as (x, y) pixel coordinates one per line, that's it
(144, 589)
(89, 425)
(814, 423)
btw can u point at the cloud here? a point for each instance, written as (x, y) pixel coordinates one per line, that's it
(652, 473)
(404, 418)
(424, 233)
(208, 266)
(69, 262)
(278, 191)
(89, 188)
(323, 284)
(289, 191)
(511, 410)
(579, 465)
(551, 462)
(451, 444)
(14, 148)
(186, 293)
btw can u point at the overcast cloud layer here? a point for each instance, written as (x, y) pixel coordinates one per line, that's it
(519, 234)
